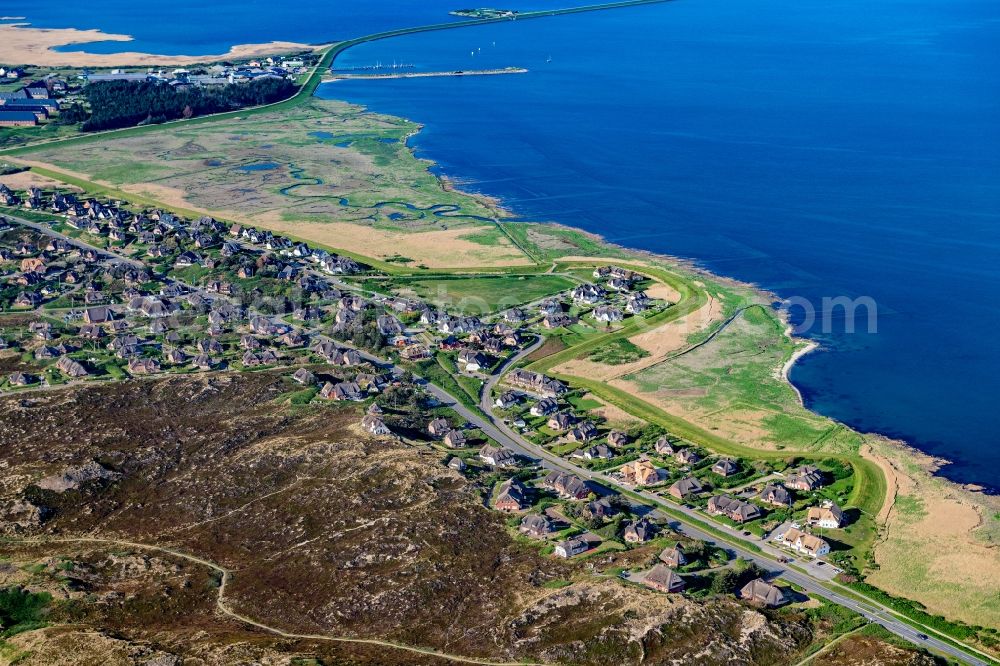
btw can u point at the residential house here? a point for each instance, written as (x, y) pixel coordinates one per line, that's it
(673, 557)
(775, 495)
(637, 302)
(549, 307)
(33, 265)
(662, 579)
(497, 456)
(584, 432)
(99, 315)
(203, 362)
(474, 361)
(249, 343)
(642, 473)
(558, 320)
(389, 325)
(264, 357)
(601, 509)
(587, 294)
(455, 439)
(342, 391)
(599, 452)
(619, 284)
(209, 346)
(176, 356)
(617, 439)
(805, 478)
(514, 316)
(414, 353)
(803, 542)
(572, 547)
(536, 383)
(143, 366)
(561, 421)
(374, 424)
(544, 407)
(45, 352)
(71, 368)
(457, 464)
(663, 447)
(511, 496)
(725, 467)
(27, 299)
(304, 377)
(91, 332)
(686, 457)
(438, 427)
(732, 508)
(507, 400)
(828, 515)
(639, 531)
(686, 487)
(536, 526)
(21, 379)
(762, 593)
(566, 485)
(607, 314)
(347, 358)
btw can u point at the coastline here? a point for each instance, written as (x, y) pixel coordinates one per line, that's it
(767, 297)
(786, 369)
(21, 43)
(895, 452)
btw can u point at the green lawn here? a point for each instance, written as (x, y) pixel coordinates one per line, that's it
(618, 352)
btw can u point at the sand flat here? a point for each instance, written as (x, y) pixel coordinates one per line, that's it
(25, 179)
(19, 42)
(444, 248)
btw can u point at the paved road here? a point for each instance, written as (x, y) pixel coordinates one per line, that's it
(500, 432)
(871, 610)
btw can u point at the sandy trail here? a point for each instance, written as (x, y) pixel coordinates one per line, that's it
(21, 43)
(660, 342)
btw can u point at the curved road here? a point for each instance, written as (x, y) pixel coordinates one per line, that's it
(688, 524)
(687, 521)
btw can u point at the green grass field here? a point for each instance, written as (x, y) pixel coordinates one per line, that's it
(734, 373)
(482, 294)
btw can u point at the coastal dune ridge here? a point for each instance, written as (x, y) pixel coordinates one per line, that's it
(21, 43)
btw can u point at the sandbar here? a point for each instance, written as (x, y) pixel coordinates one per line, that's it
(22, 44)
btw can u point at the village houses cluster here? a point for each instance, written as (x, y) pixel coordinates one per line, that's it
(105, 292)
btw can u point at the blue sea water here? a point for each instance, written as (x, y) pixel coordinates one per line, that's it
(194, 27)
(817, 149)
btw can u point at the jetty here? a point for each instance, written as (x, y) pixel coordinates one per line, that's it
(337, 76)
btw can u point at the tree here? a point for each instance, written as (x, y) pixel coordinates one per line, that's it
(117, 104)
(724, 582)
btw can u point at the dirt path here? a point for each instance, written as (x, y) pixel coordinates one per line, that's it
(812, 658)
(226, 610)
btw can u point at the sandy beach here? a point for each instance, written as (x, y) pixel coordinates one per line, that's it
(22, 44)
